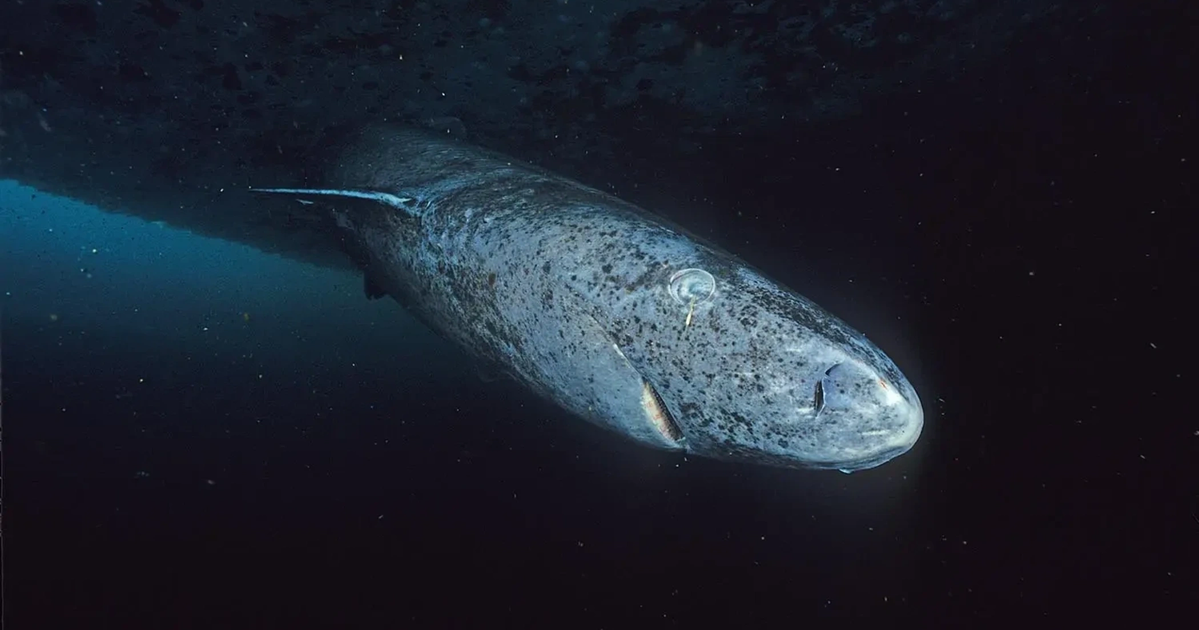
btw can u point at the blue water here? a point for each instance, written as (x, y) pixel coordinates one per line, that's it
(68, 269)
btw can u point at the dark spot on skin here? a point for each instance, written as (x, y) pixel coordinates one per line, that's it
(606, 268)
(491, 279)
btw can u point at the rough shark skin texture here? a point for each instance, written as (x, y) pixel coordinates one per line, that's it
(611, 312)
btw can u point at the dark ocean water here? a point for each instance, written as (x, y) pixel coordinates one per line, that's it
(202, 435)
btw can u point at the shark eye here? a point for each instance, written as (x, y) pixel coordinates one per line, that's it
(691, 286)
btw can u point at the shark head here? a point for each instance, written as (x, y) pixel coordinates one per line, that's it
(737, 367)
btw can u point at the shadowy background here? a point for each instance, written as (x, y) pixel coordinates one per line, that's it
(213, 428)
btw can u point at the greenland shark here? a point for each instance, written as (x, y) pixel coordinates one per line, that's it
(616, 315)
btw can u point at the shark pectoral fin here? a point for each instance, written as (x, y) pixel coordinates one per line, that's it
(405, 204)
(371, 286)
(630, 403)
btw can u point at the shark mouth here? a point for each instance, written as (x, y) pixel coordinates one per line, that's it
(657, 413)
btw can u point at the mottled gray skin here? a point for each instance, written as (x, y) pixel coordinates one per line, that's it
(568, 289)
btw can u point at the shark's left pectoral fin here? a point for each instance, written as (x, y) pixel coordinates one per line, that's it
(609, 389)
(371, 285)
(402, 203)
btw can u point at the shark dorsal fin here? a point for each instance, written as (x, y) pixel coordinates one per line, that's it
(404, 204)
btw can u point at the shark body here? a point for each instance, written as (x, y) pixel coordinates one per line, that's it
(612, 313)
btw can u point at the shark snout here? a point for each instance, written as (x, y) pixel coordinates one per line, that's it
(868, 419)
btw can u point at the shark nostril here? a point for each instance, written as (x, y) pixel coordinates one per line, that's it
(818, 398)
